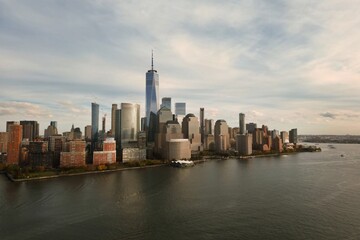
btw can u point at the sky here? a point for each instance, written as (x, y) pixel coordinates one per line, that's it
(284, 63)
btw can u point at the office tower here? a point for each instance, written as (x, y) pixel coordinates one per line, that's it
(284, 137)
(113, 118)
(3, 142)
(171, 130)
(163, 116)
(242, 123)
(180, 109)
(152, 91)
(30, 129)
(209, 126)
(51, 130)
(202, 125)
(104, 124)
(8, 123)
(54, 124)
(191, 131)
(293, 135)
(14, 142)
(166, 102)
(258, 138)
(244, 144)
(56, 146)
(222, 140)
(94, 124)
(250, 127)
(274, 133)
(130, 122)
(87, 131)
(118, 126)
(178, 149)
(143, 124)
(278, 144)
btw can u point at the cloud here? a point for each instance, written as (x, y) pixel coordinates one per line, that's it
(328, 115)
(269, 59)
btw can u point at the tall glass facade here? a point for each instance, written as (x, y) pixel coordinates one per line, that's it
(180, 108)
(94, 122)
(242, 123)
(152, 93)
(130, 122)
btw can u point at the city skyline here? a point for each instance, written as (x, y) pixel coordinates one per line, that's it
(283, 64)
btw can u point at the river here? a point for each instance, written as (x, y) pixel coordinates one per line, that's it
(298, 196)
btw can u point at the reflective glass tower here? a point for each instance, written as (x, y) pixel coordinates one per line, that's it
(152, 91)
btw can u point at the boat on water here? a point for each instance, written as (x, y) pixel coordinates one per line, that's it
(182, 163)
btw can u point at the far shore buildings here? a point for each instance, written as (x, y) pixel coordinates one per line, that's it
(222, 140)
(191, 131)
(14, 143)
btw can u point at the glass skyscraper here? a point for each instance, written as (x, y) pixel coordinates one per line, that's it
(94, 122)
(152, 91)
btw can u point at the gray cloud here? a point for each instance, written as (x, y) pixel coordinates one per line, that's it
(328, 115)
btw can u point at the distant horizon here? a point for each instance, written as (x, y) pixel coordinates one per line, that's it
(285, 64)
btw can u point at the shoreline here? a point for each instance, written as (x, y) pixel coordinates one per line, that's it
(12, 179)
(205, 159)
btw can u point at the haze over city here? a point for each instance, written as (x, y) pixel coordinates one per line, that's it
(283, 63)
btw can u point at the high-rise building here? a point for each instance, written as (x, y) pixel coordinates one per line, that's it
(54, 124)
(3, 142)
(166, 102)
(284, 137)
(104, 124)
(202, 125)
(293, 135)
(250, 127)
(244, 144)
(51, 130)
(94, 123)
(113, 118)
(171, 130)
(130, 122)
(8, 123)
(163, 116)
(242, 123)
(191, 131)
(209, 126)
(222, 139)
(180, 109)
(118, 125)
(14, 142)
(152, 91)
(30, 129)
(87, 131)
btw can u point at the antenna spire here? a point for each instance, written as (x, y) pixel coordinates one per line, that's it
(152, 59)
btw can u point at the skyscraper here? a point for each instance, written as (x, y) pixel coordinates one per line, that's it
(130, 122)
(30, 129)
(166, 102)
(94, 122)
(113, 118)
(202, 125)
(293, 135)
(242, 123)
(222, 140)
(152, 91)
(14, 141)
(180, 109)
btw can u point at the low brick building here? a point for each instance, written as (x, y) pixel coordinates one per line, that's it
(74, 155)
(107, 155)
